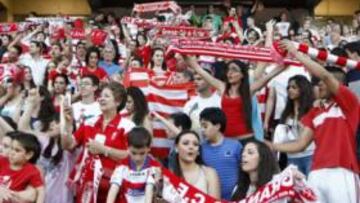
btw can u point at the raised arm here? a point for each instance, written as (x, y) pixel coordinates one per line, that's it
(175, 130)
(5, 127)
(239, 31)
(217, 84)
(315, 68)
(126, 34)
(25, 119)
(260, 83)
(66, 126)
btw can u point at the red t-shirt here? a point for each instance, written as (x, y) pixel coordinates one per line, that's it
(229, 19)
(235, 117)
(53, 73)
(98, 72)
(144, 53)
(334, 128)
(19, 180)
(115, 136)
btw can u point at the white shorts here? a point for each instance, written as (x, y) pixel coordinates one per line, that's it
(335, 185)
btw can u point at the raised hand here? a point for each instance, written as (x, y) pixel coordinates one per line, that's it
(288, 45)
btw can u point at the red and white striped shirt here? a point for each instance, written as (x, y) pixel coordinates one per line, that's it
(132, 182)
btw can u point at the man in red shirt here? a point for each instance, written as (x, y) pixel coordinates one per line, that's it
(332, 125)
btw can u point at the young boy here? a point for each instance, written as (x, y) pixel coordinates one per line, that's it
(18, 173)
(222, 154)
(136, 176)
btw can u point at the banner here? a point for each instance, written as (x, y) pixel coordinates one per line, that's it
(283, 187)
(78, 33)
(157, 6)
(165, 100)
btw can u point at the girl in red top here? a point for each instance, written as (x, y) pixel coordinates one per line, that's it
(143, 49)
(104, 144)
(236, 94)
(92, 59)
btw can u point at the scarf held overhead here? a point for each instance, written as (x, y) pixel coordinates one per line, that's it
(272, 55)
(157, 6)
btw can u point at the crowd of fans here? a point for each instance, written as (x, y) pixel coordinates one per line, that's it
(66, 110)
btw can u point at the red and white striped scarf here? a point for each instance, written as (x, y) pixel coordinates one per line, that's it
(157, 6)
(185, 32)
(327, 57)
(143, 23)
(197, 47)
(273, 55)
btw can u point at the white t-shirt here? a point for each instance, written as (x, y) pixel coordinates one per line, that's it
(37, 66)
(289, 132)
(88, 112)
(283, 28)
(280, 83)
(197, 104)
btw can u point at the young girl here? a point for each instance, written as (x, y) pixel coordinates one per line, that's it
(20, 179)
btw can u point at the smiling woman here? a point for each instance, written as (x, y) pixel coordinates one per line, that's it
(104, 141)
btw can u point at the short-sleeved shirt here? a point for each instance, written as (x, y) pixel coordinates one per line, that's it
(18, 180)
(111, 68)
(114, 135)
(132, 182)
(225, 158)
(335, 126)
(98, 72)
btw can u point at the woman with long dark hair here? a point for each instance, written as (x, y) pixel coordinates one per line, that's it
(137, 108)
(143, 48)
(300, 100)
(258, 165)
(28, 79)
(189, 165)
(236, 93)
(158, 69)
(59, 86)
(104, 142)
